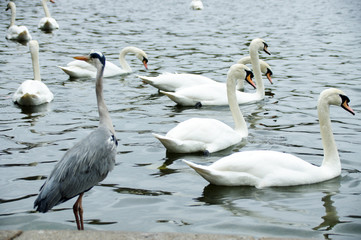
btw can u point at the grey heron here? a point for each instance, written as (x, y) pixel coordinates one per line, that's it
(86, 163)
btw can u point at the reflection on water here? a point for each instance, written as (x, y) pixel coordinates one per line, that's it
(150, 189)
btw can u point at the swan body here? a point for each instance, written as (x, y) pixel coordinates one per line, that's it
(206, 134)
(33, 92)
(196, 5)
(262, 168)
(47, 23)
(212, 94)
(171, 82)
(14, 32)
(79, 69)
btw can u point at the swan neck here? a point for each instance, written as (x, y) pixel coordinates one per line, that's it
(34, 51)
(256, 67)
(46, 9)
(104, 117)
(123, 62)
(331, 157)
(240, 123)
(13, 15)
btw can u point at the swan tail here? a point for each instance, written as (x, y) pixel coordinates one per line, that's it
(180, 100)
(201, 170)
(172, 145)
(145, 79)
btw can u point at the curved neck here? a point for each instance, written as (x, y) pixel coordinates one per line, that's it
(240, 123)
(253, 52)
(46, 10)
(13, 15)
(104, 117)
(331, 157)
(123, 63)
(34, 51)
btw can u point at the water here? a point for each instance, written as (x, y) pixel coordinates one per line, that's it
(314, 45)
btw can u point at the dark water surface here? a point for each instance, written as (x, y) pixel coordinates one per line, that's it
(314, 45)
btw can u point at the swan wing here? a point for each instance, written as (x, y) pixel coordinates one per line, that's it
(111, 70)
(32, 92)
(263, 169)
(174, 81)
(200, 134)
(20, 33)
(206, 94)
(48, 23)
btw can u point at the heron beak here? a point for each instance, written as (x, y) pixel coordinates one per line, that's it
(145, 61)
(268, 75)
(83, 58)
(250, 81)
(345, 106)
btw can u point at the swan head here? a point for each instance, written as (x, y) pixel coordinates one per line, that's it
(142, 56)
(266, 69)
(334, 96)
(241, 71)
(10, 6)
(261, 45)
(93, 58)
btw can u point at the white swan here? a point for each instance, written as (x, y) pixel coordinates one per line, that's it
(14, 32)
(269, 168)
(33, 92)
(206, 134)
(47, 23)
(78, 69)
(212, 94)
(171, 82)
(196, 5)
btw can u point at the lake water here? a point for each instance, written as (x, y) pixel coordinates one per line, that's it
(314, 45)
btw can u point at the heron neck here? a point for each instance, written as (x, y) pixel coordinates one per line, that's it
(104, 117)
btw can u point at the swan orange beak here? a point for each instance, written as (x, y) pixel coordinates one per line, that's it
(52, 1)
(268, 75)
(249, 79)
(83, 58)
(345, 106)
(145, 63)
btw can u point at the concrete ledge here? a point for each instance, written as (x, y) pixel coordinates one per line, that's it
(110, 235)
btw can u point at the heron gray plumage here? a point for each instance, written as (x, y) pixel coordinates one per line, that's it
(86, 163)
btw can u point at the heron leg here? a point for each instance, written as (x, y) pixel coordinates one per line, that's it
(78, 212)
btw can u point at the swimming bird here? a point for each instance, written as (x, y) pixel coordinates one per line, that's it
(86, 163)
(206, 134)
(212, 94)
(196, 5)
(79, 69)
(33, 92)
(47, 23)
(262, 168)
(171, 82)
(14, 32)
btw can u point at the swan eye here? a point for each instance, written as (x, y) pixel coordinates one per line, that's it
(145, 60)
(344, 98)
